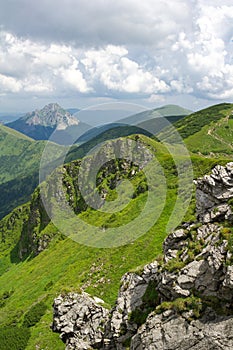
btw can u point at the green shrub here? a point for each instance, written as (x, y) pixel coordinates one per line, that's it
(4, 296)
(150, 299)
(181, 305)
(14, 338)
(174, 265)
(34, 314)
(138, 316)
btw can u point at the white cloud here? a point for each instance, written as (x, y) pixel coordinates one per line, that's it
(156, 99)
(74, 77)
(9, 84)
(116, 71)
(129, 48)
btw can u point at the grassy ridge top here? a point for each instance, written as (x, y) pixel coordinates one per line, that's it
(196, 121)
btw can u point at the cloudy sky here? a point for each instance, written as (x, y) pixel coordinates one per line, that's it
(80, 53)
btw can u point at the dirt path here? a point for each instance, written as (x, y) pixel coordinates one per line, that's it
(211, 132)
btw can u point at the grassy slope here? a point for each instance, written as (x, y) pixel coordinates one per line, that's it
(69, 265)
(15, 133)
(20, 161)
(209, 131)
(19, 155)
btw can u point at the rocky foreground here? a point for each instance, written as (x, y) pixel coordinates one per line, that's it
(182, 301)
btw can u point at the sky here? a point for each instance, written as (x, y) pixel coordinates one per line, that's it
(80, 53)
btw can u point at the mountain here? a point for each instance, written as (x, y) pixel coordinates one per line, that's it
(146, 119)
(20, 161)
(206, 132)
(165, 111)
(41, 124)
(41, 267)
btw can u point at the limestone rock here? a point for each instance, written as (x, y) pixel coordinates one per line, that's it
(130, 298)
(196, 269)
(212, 194)
(162, 332)
(80, 321)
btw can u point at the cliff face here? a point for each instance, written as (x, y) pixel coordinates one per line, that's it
(183, 301)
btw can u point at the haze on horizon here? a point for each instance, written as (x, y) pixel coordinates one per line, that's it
(149, 53)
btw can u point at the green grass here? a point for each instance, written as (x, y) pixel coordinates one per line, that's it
(20, 160)
(15, 133)
(70, 266)
(67, 265)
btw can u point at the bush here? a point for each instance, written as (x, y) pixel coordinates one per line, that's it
(34, 314)
(14, 338)
(174, 265)
(4, 296)
(180, 305)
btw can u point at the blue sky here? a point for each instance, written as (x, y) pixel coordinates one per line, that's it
(80, 53)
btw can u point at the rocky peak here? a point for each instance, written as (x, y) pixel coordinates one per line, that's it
(51, 115)
(213, 195)
(183, 302)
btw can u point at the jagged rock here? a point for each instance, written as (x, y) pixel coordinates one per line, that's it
(197, 266)
(80, 321)
(173, 243)
(130, 298)
(166, 332)
(212, 194)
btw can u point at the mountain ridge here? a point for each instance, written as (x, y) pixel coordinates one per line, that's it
(37, 263)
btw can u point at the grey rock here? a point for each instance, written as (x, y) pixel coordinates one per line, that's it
(162, 332)
(204, 269)
(79, 320)
(212, 194)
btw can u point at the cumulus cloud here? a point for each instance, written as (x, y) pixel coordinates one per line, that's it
(143, 49)
(207, 51)
(116, 71)
(96, 23)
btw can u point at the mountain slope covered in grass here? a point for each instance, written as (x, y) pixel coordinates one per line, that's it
(20, 161)
(206, 132)
(37, 262)
(146, 119)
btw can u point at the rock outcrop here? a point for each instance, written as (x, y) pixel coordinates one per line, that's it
(80, 319)
(169, 331)
(183, 302)
(213, 194)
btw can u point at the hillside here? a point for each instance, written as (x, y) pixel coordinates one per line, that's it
(20, 160)
(41, 124)
(182, 301)
(38, 263)
(164, 111)
(146, 119)
(206, 132)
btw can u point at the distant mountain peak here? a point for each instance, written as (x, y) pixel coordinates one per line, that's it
(52, 115)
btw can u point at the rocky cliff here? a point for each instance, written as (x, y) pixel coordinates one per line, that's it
(41, 125)
(182, 301)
